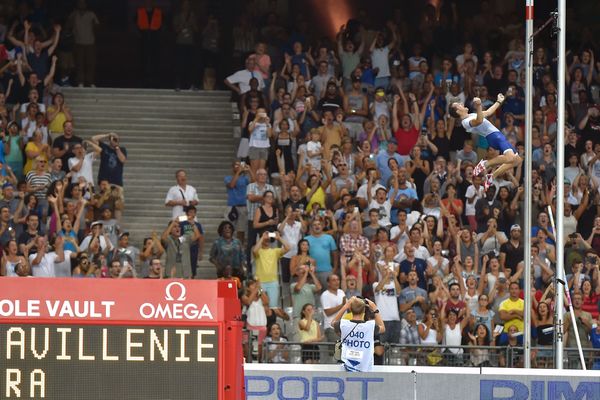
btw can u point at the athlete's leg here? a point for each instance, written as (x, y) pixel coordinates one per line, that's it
(509, 157)
(513, 161)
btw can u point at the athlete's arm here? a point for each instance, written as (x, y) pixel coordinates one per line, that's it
(479, 119)
(494, 107)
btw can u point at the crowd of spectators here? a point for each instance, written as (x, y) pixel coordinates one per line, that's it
(353, 179)
(57, 218)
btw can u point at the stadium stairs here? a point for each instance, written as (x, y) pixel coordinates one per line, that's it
(163, 131)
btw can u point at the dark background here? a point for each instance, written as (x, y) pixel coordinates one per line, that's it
(114, 380)
(118, 41)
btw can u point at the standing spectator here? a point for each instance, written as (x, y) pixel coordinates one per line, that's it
(239, 82)
(125, 252)
(152, 250)
(13, 149)
(62, 147)
(181, 195)
(177, 245)
(380, 56)
(354, 240)
(28, 239)
(227, 251)
(324, 250)
(349, 55)
(81, 164)
(291, 229)
(149, 23)
(260, 134)
(304, 289)
(35, 149)
(42, 262)
(511, 253)
(83, 23)
(96, 241)
(38, 182)
(332, 300)
(356, 107)
(236, 185)
(58, 114)
(210, 49)
(583, 320)
(410, 333)
(254, 198)
(186, 27)
(267, 263)
(310, 332)
(511, 309)
(386, 296)
(412, 297)
(112, 158)
(455, 303)
(197, 247)
(413, 263)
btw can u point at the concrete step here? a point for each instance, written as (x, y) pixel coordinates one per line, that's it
(164, 131)
(146, 93)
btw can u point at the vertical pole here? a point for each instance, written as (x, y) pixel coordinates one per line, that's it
(528, 187)
(560, 176)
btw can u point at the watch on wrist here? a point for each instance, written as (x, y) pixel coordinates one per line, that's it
(376, 311)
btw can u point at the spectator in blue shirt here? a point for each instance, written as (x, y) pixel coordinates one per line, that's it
(324, 250)
(412, 263)
(383, 159)
(236, 185)
(514, 104)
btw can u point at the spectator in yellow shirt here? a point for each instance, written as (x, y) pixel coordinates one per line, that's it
(511, 309)
(267, 264)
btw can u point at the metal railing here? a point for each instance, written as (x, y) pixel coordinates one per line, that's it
(424, 355)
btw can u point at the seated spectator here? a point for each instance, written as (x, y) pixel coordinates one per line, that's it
(13, 264)
(276, 351)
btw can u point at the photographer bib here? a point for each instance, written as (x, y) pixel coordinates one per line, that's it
(357, 348)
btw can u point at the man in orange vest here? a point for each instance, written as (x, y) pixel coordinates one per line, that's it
(149, 21)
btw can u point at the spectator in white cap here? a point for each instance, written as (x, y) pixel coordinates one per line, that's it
(96, 238)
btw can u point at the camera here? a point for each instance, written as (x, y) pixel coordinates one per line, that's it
(272, 235)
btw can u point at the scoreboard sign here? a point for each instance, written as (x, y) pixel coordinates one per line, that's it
(119, 339)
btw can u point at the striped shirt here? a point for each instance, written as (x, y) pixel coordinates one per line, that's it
(254, 189)
(39, 181)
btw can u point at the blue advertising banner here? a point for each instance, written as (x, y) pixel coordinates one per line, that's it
(423, 383)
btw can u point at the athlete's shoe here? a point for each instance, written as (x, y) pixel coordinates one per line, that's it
(479, 168)
(489, 180)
